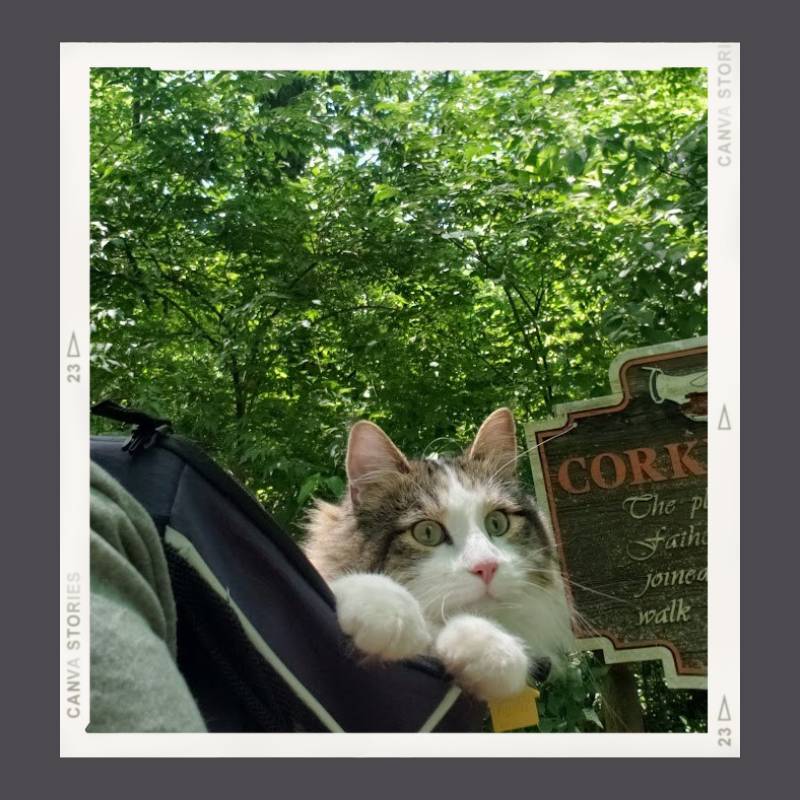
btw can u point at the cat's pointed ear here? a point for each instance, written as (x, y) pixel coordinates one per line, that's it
(370, 455)
(496, 441)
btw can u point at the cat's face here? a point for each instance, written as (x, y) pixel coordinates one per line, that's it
(458, 532)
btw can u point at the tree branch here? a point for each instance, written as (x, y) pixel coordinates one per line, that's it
(521, 326)
(534, 312)
(665, 171)
(165, 297)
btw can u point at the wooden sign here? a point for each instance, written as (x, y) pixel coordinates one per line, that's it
(624, 479)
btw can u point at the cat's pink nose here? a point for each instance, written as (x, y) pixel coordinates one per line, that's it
(485, 571)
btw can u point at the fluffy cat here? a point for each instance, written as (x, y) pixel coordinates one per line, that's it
(444, 556)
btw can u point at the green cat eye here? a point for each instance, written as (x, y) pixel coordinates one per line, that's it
(428, 532)
(496, 523)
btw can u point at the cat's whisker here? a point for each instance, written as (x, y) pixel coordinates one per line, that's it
(366, 477)
(602, 594)
(544, 549)
(587, 588)
(574, 613)
(531, 449)
(429, 597)
(441, 609)
(438, 439)
(585, 624)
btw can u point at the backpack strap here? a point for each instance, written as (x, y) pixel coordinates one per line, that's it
(147, 428)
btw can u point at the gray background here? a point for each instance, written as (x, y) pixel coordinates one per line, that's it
(33, 370)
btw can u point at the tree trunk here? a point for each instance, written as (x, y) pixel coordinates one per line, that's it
(621, 710)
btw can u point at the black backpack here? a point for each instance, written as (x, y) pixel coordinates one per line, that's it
(258, 640)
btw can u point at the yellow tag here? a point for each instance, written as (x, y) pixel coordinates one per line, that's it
(516, 712)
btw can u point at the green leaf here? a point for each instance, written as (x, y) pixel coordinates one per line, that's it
(575, 160)
(383, 192)
(460, 235)
(476, 149)
(336, 485)
(591, 715)
(308, 487)
(642, 166)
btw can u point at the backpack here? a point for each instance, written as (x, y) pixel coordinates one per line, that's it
(258, 640)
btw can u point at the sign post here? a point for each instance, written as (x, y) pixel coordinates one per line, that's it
(623, 479)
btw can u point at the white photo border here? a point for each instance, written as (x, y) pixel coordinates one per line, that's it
(722, 60)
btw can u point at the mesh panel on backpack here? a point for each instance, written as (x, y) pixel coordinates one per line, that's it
(214, 652)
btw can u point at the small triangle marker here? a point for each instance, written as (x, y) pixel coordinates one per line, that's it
(724, 711)
(724, 420)
(72, 350)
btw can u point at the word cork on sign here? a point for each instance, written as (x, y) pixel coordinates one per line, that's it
(623, 479)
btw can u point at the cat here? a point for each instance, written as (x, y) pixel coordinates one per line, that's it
(446, 557)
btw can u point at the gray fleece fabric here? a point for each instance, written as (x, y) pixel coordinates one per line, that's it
(135, 682)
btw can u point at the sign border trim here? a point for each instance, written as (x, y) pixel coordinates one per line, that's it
(565, 414)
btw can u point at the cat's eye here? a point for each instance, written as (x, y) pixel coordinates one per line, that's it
(496, 523)
(428, 532)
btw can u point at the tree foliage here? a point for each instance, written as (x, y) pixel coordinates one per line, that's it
(274, 255)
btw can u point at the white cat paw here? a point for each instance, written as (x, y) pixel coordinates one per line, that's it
(485, 660)
(381, 616)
